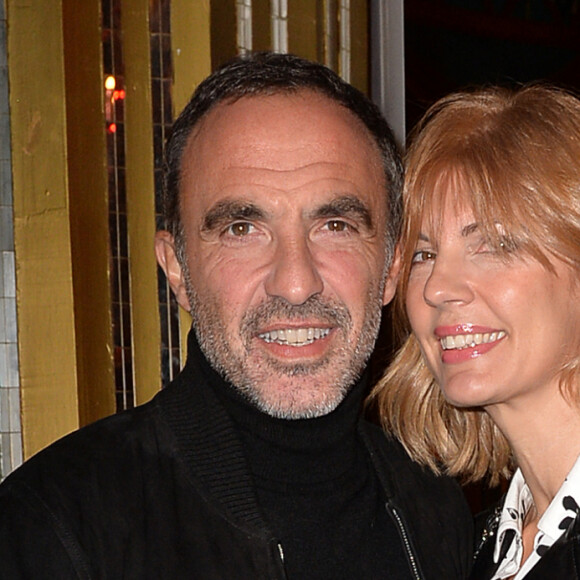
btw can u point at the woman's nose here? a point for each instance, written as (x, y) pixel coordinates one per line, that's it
(448, 283)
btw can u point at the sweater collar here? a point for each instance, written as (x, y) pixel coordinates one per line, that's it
(297, 450)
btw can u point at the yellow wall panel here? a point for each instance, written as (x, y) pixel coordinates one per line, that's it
(191, 47)
(223, 25)
(261, 25)
(89, 208)
(359, 41)
(141, 199)
(41, 228)
(303, 29)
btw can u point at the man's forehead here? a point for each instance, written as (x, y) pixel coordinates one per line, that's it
(282, 148)
(286, 118)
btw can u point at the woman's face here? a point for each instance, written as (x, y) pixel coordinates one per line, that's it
(494, 332)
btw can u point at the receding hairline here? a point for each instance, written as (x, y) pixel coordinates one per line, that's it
(357, 127)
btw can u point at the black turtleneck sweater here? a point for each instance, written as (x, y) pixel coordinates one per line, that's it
(318, 491)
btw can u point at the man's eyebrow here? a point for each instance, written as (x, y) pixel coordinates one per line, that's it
(345, 206)
(230, 210)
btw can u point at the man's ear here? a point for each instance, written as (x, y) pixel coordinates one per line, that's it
(167, 259)
(392, 277)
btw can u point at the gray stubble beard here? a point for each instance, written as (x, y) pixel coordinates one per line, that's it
(253, 382)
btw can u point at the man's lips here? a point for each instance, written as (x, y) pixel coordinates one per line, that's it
(295, 336)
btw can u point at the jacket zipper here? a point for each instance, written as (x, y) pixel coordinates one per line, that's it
(281, 560)
(405, 538)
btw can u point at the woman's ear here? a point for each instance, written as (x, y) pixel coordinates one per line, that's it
(167, 259)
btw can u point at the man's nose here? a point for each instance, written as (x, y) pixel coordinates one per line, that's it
(294, 275)
(448, 283)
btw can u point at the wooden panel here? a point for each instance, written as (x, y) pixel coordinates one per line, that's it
(41, 223)
(261, 25)
(224, 45)
(359, 43)
(89, 223)
(190, 35)
(190, 45)
(141, 199)
(305, 29)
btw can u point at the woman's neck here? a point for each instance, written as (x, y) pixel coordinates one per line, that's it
(544, 434)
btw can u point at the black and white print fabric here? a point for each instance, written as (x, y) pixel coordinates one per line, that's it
(556, 520)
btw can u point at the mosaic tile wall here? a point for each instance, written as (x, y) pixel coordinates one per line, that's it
(10, 430)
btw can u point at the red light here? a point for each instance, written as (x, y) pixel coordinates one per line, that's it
(118, 95)
(112, 128)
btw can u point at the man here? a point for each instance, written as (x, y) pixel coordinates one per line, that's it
(282, 187)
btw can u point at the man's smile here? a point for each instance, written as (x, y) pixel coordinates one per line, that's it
(295, 336)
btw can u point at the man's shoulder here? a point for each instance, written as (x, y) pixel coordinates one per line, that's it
(432, 507)
(402, 475)
(389, 450)
(89, 452)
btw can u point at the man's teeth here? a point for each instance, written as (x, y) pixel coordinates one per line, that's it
(295, 336)
(469, 340)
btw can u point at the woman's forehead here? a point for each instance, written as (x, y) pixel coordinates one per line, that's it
(447, 195)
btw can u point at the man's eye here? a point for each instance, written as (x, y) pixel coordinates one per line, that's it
(240, 229)
(421, 256)
(338, 226)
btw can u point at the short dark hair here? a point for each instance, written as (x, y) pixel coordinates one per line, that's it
(269, 73)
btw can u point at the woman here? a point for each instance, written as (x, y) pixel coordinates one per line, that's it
(487, 382)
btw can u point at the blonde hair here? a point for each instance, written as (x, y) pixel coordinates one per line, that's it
(517, 156)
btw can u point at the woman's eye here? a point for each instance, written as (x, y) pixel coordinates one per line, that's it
(421, 256)
(240, 229)
(503, 245)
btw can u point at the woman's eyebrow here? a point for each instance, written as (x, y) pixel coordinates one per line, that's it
(230, 210)
(469, 229)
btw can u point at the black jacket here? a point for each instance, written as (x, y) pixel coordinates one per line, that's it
(163, 491)
(560, 562)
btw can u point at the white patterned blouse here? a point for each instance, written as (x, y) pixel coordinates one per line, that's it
(558, 517)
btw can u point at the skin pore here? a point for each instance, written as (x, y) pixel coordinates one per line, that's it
(283, 210)
(495, 330)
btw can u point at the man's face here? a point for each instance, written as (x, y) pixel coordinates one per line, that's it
(283, 211)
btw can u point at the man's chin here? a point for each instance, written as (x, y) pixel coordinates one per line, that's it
(298, 409)
(299, 396)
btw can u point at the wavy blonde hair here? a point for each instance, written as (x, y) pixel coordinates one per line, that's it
(516, 154)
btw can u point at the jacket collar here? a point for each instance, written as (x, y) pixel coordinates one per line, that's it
(208, 440)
